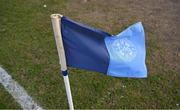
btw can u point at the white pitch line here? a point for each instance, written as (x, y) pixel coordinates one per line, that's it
(18, 92)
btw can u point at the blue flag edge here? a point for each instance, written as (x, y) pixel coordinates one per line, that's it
(141, 71)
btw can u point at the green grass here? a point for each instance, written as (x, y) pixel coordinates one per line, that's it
(28, 53)
(7, 100)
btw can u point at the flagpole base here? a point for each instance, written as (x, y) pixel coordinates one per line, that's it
(68, 91)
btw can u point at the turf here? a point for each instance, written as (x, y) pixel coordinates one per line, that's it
(28, 53)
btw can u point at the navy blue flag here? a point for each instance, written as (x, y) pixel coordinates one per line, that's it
(121, 55)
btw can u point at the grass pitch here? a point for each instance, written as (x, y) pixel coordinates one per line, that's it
(28, 53)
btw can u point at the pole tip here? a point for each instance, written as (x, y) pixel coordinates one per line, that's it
(56, 15)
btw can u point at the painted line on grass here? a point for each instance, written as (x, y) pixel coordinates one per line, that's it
(18, 92)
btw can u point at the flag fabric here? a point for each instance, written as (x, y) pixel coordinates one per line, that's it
(121, 55)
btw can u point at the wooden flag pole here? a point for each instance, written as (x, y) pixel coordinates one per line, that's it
(56, 18)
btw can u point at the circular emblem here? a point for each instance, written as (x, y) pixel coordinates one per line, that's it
(124, 49)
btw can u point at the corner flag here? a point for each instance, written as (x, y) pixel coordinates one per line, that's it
(80, 46)
(121, 55)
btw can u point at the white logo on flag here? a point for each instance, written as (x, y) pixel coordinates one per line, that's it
(124, 49)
